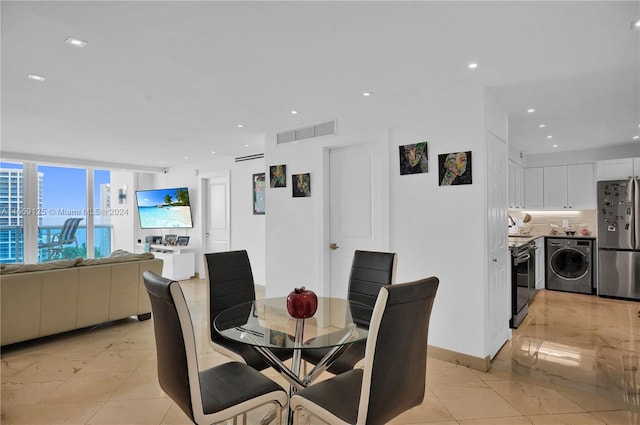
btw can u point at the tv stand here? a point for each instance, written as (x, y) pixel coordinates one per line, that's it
(179, 261)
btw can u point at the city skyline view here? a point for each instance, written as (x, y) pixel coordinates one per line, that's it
(61, 194)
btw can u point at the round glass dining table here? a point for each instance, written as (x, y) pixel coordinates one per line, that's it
(265, 324)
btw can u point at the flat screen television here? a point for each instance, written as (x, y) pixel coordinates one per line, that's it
(164, 208)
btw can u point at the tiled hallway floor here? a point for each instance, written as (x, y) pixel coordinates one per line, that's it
(573, 361)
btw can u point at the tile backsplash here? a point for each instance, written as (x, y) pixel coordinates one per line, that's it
(541, 221)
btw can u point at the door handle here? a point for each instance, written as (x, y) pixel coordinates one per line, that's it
(334, 246)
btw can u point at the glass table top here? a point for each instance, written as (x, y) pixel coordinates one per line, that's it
(267, 323)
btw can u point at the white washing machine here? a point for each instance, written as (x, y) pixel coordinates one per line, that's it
(570, 265)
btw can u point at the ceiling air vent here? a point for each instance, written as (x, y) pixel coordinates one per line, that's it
(249, 157)
(323, 129)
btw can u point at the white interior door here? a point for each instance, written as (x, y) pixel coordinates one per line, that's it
(218, 223)
(355, 209)
(499, 288)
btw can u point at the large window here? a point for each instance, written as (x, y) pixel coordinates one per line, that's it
(62, 230)
(54, 200)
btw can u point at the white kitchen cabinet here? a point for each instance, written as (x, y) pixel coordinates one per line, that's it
(534, 188)
(581, 189)
(516, 186)
(555, 187)
(540, 263)
(617, 169)
(569, 187)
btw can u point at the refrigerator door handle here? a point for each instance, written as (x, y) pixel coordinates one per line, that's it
(635, 219)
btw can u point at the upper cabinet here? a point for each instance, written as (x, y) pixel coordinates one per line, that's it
(534, 188)
(569, 187)
(516, 186)
(618, 169)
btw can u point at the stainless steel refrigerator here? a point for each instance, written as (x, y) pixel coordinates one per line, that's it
(619, 238)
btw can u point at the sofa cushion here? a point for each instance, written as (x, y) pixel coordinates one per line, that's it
(120, 257)
(123, 253)
(50, 265)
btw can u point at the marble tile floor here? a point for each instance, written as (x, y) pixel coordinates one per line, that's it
(573, 361)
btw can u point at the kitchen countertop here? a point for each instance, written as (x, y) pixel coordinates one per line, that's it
(520, 240)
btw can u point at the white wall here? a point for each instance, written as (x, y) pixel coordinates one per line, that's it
(247, 229)
(124, 225)
(440, 230)
(295, 226)
(435, 230)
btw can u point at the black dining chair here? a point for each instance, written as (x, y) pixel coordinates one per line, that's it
(393, 379)
(370, 271)
(208, 396)
(231, 283)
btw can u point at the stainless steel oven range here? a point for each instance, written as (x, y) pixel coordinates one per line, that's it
(522, 280)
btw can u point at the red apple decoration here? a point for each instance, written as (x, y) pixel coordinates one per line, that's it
(302, 303)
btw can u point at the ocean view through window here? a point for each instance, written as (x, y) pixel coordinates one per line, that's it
(61, 194)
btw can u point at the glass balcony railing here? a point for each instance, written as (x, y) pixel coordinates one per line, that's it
(12, 243)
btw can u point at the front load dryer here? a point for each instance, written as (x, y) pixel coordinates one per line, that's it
(570, 265)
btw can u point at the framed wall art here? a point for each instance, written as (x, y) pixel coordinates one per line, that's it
(414, 159)
(301, 185)
(278, 176)
(455, 168)
(259, 193)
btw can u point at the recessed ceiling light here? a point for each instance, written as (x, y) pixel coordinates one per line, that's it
(555, 146)
(549, 137)
(185, 157)
(542, 126)
(240, 125)
(294, 112)
(75, 42)
(636, 137)
(635, 24)
(246, 146)
(213, 152)
(531, 111)
(36, 77)
(366, 94)
(472, 65)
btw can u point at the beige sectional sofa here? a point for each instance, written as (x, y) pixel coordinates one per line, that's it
(49, 298)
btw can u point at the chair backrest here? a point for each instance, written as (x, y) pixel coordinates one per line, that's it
(68, 232)
(175, 343)
(369, 272)
(394, 378)
(230, 283)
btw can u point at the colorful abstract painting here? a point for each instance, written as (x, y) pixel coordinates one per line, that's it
(259, 193)
(278, 176)
(413, 159)
(455, 168)
(301, 185)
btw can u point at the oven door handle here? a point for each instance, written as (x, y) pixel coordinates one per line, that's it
(521, 259)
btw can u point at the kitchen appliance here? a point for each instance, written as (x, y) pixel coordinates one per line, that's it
(619, 238)
(570, 265)
(523, 283)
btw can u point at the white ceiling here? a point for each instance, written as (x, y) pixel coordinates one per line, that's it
(159, 81)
